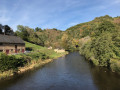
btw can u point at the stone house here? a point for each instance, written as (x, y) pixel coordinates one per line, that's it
(11, 44)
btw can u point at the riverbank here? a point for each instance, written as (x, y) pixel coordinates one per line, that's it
(71, 72)
(29, 66)
(114, 64)
(32, 65)
(35, 64)
(38, 57)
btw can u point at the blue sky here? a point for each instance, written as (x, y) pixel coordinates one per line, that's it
(59, 14)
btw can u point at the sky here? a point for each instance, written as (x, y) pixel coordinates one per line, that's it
(60, 14)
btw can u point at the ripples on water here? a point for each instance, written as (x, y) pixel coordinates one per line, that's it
(71, 72)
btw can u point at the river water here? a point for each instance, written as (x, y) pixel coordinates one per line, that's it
(71, 72)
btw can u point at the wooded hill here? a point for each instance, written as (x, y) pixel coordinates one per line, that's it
(46, 37)
(102, 44)
(98, 40)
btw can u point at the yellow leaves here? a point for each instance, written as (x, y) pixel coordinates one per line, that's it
(64, 37)
(75, 42)
(64, 40)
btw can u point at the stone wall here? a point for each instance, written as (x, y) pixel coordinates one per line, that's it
(11, 48)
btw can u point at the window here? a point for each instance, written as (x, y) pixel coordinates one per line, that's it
(23, 50)
(1, 44)
(7, 51)
(18, 50)
(11, 50)
(1, 50)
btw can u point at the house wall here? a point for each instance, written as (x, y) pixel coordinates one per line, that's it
(11, 48)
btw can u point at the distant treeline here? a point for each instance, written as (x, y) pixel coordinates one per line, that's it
(47, 37)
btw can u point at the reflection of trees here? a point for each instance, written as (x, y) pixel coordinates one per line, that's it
(105, 79)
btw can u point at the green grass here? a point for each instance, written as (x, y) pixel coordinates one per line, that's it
(48, 52)
(39, 56)
(33, 46)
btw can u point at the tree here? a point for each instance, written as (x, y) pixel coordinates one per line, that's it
(8, 30)
(37, 29)
(105, 26)
(24, 32)
(102, 48)
(1, 27)
(65, 41)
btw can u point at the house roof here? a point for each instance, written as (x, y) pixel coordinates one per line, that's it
(11, 39)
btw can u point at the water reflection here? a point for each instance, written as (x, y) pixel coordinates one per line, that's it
(105, 79)
(71, 72)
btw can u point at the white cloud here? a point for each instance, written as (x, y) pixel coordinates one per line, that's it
(116, 1)
(50, 13)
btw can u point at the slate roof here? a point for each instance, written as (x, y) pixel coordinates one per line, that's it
(11, 39)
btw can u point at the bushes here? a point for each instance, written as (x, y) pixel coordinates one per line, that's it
(106, 26)
(104, 46)
(95, 61)
(38, 55)
(10, 62)
(101, 48)
(13, 62)
(115, 65)
(85, 50)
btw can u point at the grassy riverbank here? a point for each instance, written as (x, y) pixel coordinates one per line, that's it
(20, 63)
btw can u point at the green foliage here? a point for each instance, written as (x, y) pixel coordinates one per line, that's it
(43, 51)
(37, 29)
(38, 55)
(47, 37)
(102, 49)
(105, 43)
(86, 50)
(103, 31)
(102, 18)
(105, 26)
(95, 61)
(10, 62)
(115, 65)
(23, 32)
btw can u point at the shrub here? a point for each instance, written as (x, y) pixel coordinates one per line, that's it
(115, 65)
(38, 55)
(10, 62)
(94, 61)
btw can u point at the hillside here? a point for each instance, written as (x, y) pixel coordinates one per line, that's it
(103, 41)
(98, 40)
(46, 37)
(37, 48)
(88, 28)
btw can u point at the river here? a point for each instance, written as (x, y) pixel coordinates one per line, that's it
(71, 72)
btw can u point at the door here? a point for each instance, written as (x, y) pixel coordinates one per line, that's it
(7, 51)
(15, 48)
(23, 50)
